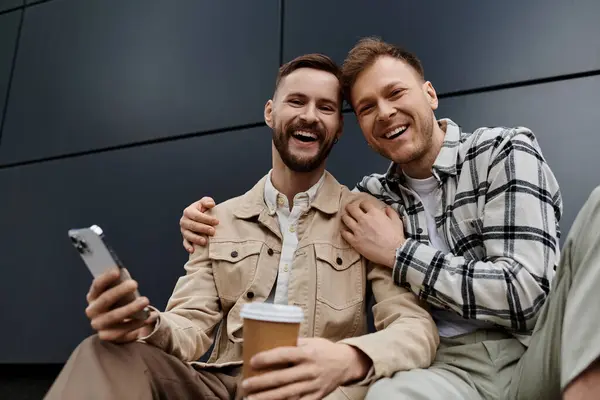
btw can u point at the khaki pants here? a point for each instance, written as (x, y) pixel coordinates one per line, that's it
(138, 371)
(103, 370)
(491, 365)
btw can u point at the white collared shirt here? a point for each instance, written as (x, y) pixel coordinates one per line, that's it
(288, 225)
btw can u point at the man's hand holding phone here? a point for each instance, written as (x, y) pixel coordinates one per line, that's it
(114, 321)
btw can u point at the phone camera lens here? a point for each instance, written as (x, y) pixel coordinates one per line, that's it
(79, 244)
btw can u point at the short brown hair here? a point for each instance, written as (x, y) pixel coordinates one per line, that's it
(365, 52)
(316, 61)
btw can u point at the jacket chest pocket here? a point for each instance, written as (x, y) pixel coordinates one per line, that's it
(340, 276)
(234, 266)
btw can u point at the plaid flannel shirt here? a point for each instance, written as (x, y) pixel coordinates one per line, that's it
(498, 212)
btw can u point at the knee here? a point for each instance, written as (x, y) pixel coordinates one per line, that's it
(91, 343)
(384, 388)
(595, 196)
(95, 347)
(592, 204)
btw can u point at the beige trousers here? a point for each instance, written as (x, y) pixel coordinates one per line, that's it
(492, 365)
(138, 371)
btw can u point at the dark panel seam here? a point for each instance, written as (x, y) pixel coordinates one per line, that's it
(281, 26)
(132, 145)
(11, 9)
(518, 84)
(11, 74)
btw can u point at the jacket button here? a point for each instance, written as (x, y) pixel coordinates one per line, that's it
(338, 261)
(270, 252)
(250, 295)
(419, 230)
(234, 254)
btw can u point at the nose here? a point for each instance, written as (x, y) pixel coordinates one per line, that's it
(309, 115)
(386, 111)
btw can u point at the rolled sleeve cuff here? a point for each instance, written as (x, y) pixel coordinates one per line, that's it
(373, 373)
(414, 261)
(159, 337)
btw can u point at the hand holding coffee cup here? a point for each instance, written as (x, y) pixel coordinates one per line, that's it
(268, 326)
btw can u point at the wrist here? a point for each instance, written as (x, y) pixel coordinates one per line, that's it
(358, 364)
(390, 260)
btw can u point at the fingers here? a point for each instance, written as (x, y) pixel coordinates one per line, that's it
(118, 315)
(353, 209)
(188, 246)
(280, 384)
(102, 283)
(191, 238)
(122, 333)
(393, 215)
(196, 214)
(277, 357)
(350, 222)
(205, 203)
(347, 236)
(130, 336)
(367, 206)
(195, 224)
(108, 298)
(196, 227)
(297, 382)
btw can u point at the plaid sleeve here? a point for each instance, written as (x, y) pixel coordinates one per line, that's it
(519, 233)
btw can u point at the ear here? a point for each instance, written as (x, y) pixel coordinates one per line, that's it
(269, 114)
(431, 95)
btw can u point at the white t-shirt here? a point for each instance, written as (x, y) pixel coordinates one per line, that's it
(430, 192)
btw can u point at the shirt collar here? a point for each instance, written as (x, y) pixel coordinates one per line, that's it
(275, 199)
(445, 162)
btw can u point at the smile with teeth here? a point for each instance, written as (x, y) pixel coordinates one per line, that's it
(396, 132)
(305, 136)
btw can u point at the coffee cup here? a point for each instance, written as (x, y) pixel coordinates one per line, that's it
(267, 326)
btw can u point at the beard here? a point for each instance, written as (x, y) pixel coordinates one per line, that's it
(281, 139)
(424, 138)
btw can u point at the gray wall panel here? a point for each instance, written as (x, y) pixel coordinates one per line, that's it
(8, 4)
(98, 73)
(563, 115)
(137, 195)
(463, 45)
(9, 26)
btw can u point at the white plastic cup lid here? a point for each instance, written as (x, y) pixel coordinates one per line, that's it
(272, 312)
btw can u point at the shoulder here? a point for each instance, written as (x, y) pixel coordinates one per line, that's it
(373, 184)
(487, 144)
(226, 209)
(348, 197)
(497, 137)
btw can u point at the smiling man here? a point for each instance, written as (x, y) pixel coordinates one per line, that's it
(280, 242)
(478, 240)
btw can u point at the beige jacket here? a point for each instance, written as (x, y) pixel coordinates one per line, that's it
(329, 281)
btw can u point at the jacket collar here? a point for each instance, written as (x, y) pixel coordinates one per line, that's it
(326, 200)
